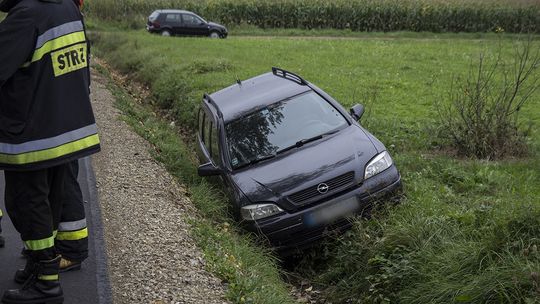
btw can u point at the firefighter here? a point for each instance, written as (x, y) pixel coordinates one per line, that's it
(71, 241)
(46, 122)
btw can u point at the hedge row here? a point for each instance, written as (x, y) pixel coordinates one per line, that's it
(357, 15)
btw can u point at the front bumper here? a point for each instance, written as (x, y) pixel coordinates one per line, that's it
(298, 230)
(152, 29)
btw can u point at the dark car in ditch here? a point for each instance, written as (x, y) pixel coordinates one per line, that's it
(293, 161)
(179, 22)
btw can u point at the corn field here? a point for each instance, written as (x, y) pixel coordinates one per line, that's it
(513, 16)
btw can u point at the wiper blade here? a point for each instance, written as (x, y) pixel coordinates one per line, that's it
(300, 143)
(258, 160)
(305, 141)
(332, 132)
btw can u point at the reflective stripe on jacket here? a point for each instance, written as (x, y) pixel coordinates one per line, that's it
(45, 114)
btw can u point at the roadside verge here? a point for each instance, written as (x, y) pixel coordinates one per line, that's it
(248, 272)
(152, 257)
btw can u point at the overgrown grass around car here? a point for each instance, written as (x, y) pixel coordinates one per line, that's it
(468, 230)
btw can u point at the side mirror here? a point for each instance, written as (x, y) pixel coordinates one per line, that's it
(357, 111)
(208, 169)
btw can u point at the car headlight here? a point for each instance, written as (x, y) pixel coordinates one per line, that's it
(259, 211)
(378, 164)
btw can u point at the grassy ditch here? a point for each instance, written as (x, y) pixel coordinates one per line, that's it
(468, 231)
(249, 271)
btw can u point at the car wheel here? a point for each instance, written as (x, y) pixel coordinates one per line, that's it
(165, 33)
(214, 35)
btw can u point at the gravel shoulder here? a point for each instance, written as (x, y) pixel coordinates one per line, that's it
(151, 255)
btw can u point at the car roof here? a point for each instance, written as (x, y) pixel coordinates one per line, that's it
(242, 98)
(174, 11)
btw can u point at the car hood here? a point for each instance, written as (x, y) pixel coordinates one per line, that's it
(215, 25)
(316, 162)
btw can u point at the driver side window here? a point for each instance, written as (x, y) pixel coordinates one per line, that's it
(214, 139)
(190, 20)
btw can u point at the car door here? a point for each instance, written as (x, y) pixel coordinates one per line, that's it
(194, 25)
(174, 21)
(210, 148)
(208, 135)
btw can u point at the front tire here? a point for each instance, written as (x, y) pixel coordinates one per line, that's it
(165, 33)
(214, 35)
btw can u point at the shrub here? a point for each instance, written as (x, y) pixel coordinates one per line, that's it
(481, 119)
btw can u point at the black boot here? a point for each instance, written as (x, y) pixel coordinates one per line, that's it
(22, 275)
(43, 286)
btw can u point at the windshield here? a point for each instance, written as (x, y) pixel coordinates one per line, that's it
(279, 127)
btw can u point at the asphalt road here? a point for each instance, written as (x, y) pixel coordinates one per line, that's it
(90, 285)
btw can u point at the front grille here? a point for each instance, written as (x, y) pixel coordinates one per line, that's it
(334, 184)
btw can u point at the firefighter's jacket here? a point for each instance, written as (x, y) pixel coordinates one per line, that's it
(46, 117)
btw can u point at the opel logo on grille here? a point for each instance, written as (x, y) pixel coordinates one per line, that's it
(322, 188)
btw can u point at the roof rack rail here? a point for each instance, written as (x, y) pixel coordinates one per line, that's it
(288, 75)
(213, 103)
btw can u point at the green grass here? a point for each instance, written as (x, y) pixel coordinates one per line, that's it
(94, 24)
(249, 271)
(468, 230)
(246, 30)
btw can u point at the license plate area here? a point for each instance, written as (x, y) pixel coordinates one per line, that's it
(332, 211)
